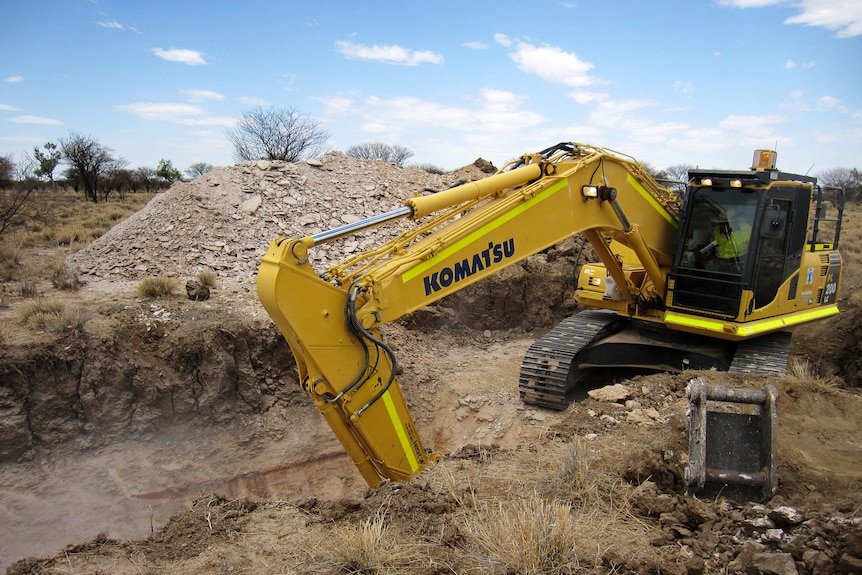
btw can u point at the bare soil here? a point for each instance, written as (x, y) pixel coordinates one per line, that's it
(170, 435)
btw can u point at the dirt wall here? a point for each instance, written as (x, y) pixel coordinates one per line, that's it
(130, 379)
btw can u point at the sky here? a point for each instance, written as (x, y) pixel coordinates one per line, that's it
(668, 82)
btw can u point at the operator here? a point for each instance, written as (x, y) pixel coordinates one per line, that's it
(729, 245)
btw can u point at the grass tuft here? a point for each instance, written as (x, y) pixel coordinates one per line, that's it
(366, 548)
(529, 536)
(801, 372)
(53, 316)
(64, 278)
(207, 278)
(156, 287)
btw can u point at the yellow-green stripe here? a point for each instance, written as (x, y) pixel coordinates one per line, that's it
(471, 238)
(399, 431)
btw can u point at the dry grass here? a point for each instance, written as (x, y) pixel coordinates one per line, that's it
(368, 547)
(52, 316)
(64, 278)
(156, 287)
(801, 372)
(207, 278)
(529, 536)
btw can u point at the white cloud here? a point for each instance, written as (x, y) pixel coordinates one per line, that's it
(201, 95)
(183, 114)
(586, 97)
(36, 120)
(553, 64)
(113, 24)
(393, 54)
(830, 103)
(8, 108)
(190, 57)
(502, 40)
(475, 45)
(14, 79)
(842, 16)
(790, 64)
(336, 106)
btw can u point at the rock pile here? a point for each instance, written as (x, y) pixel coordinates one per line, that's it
(224, 220)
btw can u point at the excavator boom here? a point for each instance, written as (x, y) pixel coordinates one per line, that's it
(331, 319)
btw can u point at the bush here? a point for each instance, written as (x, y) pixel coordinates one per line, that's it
(431, 169)
(64, 278)
(207, 278)
(156, 287)
(53, 316)
(529, 536)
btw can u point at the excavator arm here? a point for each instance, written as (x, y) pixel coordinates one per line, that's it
(462, 235)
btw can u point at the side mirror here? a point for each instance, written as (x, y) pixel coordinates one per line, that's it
(774, 222)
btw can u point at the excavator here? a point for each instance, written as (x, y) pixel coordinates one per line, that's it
(710, 278)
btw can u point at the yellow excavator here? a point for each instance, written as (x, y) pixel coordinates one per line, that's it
(712, 279)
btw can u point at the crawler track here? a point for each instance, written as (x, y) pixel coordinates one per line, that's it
(544, 379)
(765, 355)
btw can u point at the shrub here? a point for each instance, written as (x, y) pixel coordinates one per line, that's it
(367, 548)
(64, 278)
(207, 278)
(10, 259)
(431, 169)
(156, 287)
(527, 536)
(53, 316)
(29, 288)
(801, 372)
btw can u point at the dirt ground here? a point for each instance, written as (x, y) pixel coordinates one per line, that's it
(170, 436)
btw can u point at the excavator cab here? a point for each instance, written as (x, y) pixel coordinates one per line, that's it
(751, 248)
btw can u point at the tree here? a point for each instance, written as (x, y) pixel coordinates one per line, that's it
(392, 153)
(47, 161)
(276, 134)
(198, 169)
(89, 162)
(14, 195)
(145, 176)
(7, 169)
(168, 172)
(849, 180)
(675, 178)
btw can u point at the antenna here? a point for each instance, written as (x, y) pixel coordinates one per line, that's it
(809, 169)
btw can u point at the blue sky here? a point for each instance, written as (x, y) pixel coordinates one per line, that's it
(700, 82)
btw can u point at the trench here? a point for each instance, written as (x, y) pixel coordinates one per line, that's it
(126, 430)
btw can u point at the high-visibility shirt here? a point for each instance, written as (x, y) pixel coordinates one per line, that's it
(733, 246)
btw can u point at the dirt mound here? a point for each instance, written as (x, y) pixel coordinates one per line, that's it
(225, 219)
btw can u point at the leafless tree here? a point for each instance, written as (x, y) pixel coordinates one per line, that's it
(198, 169)
(675, 178)
(392, 153)
(14, 195)
(276, 134)
(147, 177)
(89, 162)
(849, 180)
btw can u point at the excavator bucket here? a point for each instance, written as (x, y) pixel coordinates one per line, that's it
(732, 445)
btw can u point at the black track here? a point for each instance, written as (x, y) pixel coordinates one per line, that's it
(544, 379)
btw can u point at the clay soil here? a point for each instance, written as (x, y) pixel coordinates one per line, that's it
(170, 436)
